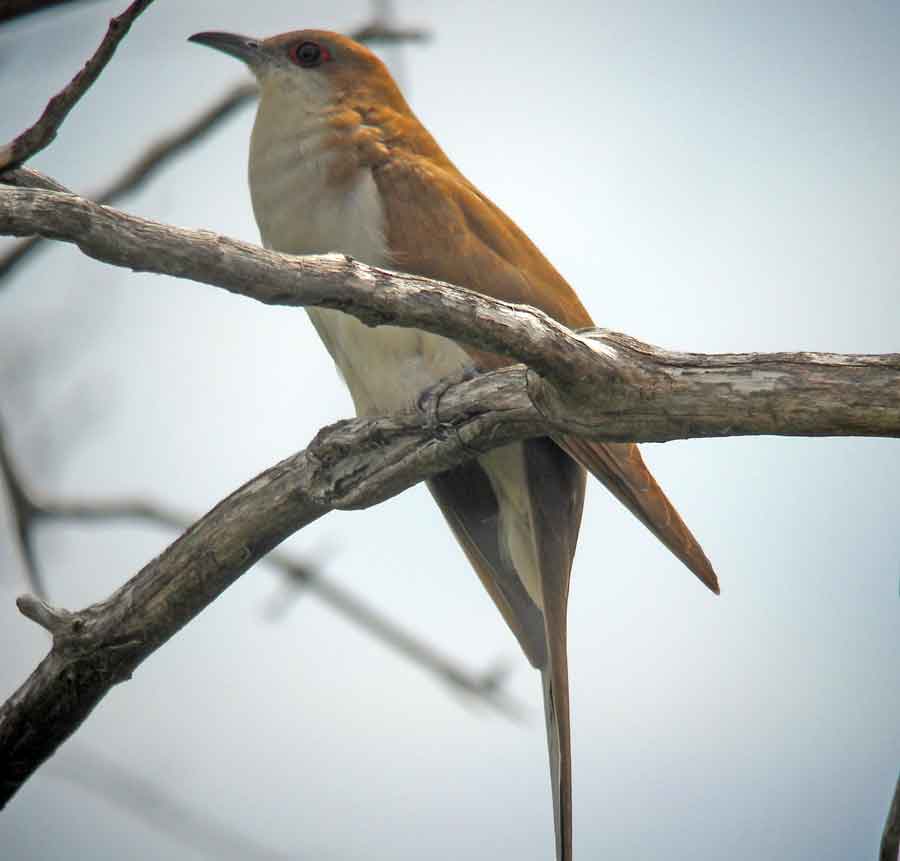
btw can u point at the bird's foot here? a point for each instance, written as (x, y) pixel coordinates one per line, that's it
(429, 400)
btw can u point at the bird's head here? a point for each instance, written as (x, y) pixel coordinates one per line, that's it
(316, 67)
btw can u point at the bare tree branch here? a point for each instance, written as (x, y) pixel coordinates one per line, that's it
(599, 384)
(43, 132)
(26, 177)
(310, 578)
(374, 295)
(351, 464)
(28, 511)
(890, 841)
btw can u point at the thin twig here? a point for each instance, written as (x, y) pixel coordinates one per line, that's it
(53, 620)
(43, 132)
(23, 512)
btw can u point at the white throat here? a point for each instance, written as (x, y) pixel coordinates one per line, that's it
(298, 206)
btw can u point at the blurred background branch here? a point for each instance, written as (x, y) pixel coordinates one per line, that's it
(87, 769)
(23, 512)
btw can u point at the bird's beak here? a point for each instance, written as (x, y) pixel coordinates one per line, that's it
(244, 48)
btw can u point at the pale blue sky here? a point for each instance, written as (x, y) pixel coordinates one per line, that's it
(709, 176)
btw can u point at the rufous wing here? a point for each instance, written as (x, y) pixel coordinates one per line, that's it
(441, 226)
(622, 470)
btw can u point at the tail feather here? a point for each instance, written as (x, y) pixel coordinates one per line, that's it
(556, 715)
(620, 467)
(516, 513)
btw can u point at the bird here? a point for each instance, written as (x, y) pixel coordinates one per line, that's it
(340, 163)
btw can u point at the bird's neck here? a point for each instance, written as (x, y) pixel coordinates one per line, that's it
(308, 191)
(311, 171)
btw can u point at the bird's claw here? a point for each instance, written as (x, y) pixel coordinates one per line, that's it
(429, 400)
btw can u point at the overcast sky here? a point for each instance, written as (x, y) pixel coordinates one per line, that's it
(709, 176)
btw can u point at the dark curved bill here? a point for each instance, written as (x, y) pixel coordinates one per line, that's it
(244, 48)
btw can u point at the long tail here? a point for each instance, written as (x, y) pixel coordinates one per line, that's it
(556, 715)
(538, 476)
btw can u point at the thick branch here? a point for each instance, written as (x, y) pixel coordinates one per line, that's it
(374, 295)
(598, 384)
(352, 464)
(691, 395)
(28, 511)
(307, 577)
(43, 132)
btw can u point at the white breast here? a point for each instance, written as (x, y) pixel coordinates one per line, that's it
(300, 212)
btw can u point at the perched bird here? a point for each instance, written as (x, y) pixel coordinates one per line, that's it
(339, 162)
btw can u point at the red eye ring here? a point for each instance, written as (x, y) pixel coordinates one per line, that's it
(309, 54)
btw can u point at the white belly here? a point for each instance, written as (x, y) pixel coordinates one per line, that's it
(385, 368)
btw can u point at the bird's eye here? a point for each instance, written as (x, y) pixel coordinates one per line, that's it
(309, 54)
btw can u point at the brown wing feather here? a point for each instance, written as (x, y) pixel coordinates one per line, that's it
(621, 468)
(439, 225)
